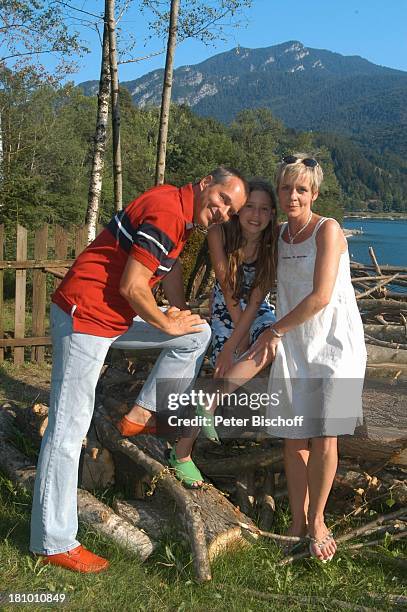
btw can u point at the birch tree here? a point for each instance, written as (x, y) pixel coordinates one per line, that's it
(114, 87)
(204, 20)
(32, 29)
(166, 94)
(96, 176)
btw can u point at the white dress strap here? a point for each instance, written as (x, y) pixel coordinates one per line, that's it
(282, 228)
(318, 225)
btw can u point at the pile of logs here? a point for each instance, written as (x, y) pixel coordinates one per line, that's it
(245, 477)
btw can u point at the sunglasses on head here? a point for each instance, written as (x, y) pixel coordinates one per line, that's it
(307, 161)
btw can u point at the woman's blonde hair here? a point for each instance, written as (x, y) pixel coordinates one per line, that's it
(294, 169)
(234, 242)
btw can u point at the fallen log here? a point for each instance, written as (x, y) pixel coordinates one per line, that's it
(393, 345)
(382, 354)
(368, 484)
(150, 515)
(244, 461)
(372, 255)
(389, 333)
(91, 511)
(32, 421)
(211, 522)
(382, 305)
(382, 445)
(385, 268)
(376, 287)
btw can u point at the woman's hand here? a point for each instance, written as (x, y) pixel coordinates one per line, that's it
(264, 349)
(224, 361)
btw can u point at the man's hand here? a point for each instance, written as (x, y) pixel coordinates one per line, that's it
(264, 349)
(181, 322)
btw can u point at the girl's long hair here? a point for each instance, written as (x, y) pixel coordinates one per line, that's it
(266, 260)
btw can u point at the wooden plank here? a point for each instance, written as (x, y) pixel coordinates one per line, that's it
(1, 292)
(13, 342)
(21, 278)
(39, 293)
(80, 239)
(61, 248)
(31, 264)
(57, 272)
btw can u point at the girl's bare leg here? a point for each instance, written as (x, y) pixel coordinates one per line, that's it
(239, 373)
(322, 465)
(296, 455)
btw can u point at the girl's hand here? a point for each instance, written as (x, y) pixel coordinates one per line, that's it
(224, 361)
(243, 345)
(264, 349)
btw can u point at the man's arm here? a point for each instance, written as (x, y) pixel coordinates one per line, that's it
(173, 286)
(134, 287)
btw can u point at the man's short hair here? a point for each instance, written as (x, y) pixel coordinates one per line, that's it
(221, 174)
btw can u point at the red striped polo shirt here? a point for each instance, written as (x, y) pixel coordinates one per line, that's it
(153, 229)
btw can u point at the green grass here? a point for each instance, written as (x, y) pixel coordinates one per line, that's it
(166, 580)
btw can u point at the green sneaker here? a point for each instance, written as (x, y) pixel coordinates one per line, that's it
(208, 429)
(185, 471)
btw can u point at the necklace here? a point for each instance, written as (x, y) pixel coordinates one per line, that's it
(290, 237)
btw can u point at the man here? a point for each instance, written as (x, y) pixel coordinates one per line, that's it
(94, 308)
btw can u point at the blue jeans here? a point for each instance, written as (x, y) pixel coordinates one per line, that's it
(77, 361)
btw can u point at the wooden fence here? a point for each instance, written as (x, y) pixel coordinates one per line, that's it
(50, 248)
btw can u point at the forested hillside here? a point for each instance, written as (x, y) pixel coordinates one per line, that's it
(47, 138)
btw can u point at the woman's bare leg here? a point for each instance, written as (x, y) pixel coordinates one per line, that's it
(322, 465)
(296, 455)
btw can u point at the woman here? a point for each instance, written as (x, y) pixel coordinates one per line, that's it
(317, 345)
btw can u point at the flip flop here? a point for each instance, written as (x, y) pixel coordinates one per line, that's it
(185, 471)
(208, 428)
(320, 544)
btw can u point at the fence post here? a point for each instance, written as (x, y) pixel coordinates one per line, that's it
(21, 277)
(80, 239)
(1, 292)
(61, 247)
(39, 293)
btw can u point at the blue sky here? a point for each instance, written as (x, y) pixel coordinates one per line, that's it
(373, 29)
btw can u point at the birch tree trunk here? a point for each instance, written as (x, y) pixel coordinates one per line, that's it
(98, 162)
(1, 152)
(117, 160)
(166, 95)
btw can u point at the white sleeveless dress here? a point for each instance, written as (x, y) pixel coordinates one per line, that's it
(320, 365)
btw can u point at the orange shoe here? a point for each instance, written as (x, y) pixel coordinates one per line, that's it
(128, 428)
(78, 559)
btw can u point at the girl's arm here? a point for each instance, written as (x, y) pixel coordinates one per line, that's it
(246, 319)
(330, 245)
(220, 266)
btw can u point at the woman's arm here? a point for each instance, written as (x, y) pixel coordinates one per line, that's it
(330, 243)
(220, 266)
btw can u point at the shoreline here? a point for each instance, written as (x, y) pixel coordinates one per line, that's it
(382, 216)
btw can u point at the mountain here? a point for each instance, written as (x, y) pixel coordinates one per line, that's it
(350, 106)
(308, 89)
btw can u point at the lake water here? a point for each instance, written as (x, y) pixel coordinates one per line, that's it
(387, 237)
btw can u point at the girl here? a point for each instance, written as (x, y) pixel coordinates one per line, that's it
(242, 254)
(243, 260)
(318, 346)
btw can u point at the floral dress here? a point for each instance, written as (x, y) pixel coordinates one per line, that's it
(221, 322)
